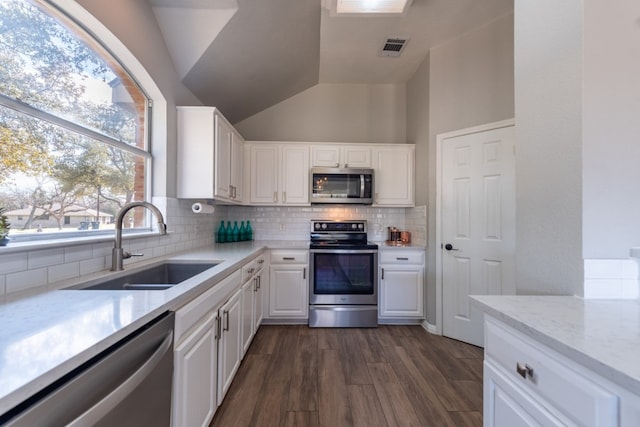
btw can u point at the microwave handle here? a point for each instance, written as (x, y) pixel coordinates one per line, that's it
(361, 185)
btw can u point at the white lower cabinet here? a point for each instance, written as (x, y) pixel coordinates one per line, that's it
(229, 351)
(401, 280)
(195, 384)
(289, 284)
(528, 384)
(212, 333)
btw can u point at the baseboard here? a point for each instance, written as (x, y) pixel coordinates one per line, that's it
(429, 327)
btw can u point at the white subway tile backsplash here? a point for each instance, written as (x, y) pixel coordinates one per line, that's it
(93, 265)
(46, 257)
(60, 272)
(13, 262)
(78, 253)
(27, 279)
(27, 270)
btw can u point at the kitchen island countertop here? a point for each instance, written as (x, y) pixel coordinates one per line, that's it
(601, 335)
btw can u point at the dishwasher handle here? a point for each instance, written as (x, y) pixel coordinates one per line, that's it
(103, 407)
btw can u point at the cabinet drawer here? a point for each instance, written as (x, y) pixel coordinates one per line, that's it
(194, 311)
(289, 257)
(401, 257)
(573, 394)
(249, 270)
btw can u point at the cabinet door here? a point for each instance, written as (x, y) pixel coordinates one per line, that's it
(401, 291)
(195, 381)
(294, 179)
(288, 292)
(222, 168)
(506, 404)
(237, 167)
(259, 304)
(394, 175)
(196, 153)
(248, 303)
(263, 174)
(229, 346)
(326, 156)
(356, 156)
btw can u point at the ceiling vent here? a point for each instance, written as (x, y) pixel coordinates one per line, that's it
(393, 46)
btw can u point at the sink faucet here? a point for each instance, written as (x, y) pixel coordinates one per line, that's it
(117, 254)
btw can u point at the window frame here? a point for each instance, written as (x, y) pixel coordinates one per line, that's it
(95, 34)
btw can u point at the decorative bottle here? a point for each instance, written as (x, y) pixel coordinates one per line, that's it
(249, 231)
(235, 232)
(243, 232)
(221, 233)
(228, 233)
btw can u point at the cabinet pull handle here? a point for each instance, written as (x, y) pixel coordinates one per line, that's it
(226, 323)
(346, 165)
(255, 284)
(234, 191)
(304, 273)
(261, 261)
(524, 370)
(231, 191)
(259, 281)
(338, 164)
(217, 335)
(288, 258)
(284, 197)
(382, 273)
(402, 258)
(275, 197)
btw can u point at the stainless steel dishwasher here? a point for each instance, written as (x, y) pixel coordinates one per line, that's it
(127, 385)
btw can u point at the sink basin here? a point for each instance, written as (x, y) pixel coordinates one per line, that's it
(157, 277)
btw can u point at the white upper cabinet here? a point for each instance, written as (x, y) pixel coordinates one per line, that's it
(278, 174)
(210, 156)
(394, 166)
(341, 155)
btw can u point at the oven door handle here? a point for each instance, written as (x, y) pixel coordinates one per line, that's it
(343, 251)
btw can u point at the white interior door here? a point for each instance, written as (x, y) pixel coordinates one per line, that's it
(478, 226)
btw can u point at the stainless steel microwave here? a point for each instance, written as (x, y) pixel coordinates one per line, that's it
(342, 185)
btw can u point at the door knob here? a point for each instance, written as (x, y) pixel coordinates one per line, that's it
(450, 247)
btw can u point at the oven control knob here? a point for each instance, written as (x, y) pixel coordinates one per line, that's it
(354, 225)
(317, 225)
(324, 225)
(360, 226)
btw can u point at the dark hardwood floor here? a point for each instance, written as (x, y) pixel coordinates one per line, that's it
(385, 376)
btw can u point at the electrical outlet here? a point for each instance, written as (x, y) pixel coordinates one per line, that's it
(282, 227)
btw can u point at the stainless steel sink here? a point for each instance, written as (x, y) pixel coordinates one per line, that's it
(157, 277)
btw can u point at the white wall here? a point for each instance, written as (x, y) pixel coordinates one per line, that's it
(333, 113)
(611, 128)
(134, 24)
(418, 127)
(548, 111)
(470, 83)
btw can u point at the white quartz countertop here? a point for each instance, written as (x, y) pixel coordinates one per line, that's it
(45, 336)
(602, 335)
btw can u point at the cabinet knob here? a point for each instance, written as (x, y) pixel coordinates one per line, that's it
(524, 370)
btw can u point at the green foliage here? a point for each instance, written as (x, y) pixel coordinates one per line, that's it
(5, 226)
(47, 65)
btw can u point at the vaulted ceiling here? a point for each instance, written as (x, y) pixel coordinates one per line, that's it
(244, 56)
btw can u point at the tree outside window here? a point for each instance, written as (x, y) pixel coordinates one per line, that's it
(72, 125)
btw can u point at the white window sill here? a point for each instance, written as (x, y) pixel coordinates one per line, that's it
(34, 245)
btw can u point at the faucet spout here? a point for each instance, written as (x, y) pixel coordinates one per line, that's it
(118, 254)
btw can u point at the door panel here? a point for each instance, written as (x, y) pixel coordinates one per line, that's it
(478, 226)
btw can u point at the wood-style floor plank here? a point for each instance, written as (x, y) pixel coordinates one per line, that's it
(333, 395)
(387, 376)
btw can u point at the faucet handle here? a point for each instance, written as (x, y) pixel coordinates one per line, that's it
(126, 254)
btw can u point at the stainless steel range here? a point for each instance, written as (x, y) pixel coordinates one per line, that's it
(343, 286)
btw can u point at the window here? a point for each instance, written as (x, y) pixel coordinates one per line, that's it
(73, 127)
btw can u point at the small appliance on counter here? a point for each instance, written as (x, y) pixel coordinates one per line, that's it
(396, 237)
